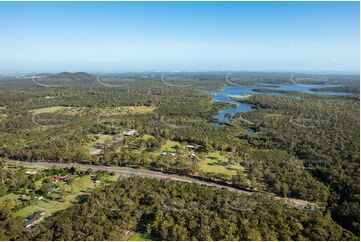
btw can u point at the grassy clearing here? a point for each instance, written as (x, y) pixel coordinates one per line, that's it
(47, 110)
(49, 207)
(27, 211)
(124, 110)
(170, 145)
(72, 111)
(80, 186)
(107, 111)
(137, 236)
(147, 136)
(215, 162)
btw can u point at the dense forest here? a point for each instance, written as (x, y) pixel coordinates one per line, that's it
(324, 133)
(302, 146)
(178, 211)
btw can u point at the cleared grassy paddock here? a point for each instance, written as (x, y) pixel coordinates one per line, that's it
(47, 110)
(106, 111)
(215, 162)
(80, 186)
(123, 110)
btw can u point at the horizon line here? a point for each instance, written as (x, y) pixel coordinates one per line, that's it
(353, 72)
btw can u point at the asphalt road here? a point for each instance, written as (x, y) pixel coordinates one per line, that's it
(129, 172)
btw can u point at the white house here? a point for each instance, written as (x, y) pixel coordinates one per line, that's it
(132, 132)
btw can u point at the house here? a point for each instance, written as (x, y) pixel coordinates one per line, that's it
(97, 152)
(57, 178)
(99, 145)
(132, 132)
(166, 153)
(23, 197)
(30, 172)
(53, 190)
(34, 219)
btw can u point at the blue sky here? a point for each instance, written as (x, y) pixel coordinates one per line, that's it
(194, 36)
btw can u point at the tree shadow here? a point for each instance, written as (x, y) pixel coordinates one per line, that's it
(81, 198)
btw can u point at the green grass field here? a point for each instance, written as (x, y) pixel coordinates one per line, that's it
(120, 110)
(137, 236)
(80, 186)
(52, 109)
(170, 145)
(72, 111)
(124, 110)
(215, 162)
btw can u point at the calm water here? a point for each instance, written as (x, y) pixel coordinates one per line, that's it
(242, 91)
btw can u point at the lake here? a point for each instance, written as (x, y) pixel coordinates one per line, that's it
(243, 91)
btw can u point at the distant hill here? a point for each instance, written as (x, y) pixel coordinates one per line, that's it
(73, 76)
